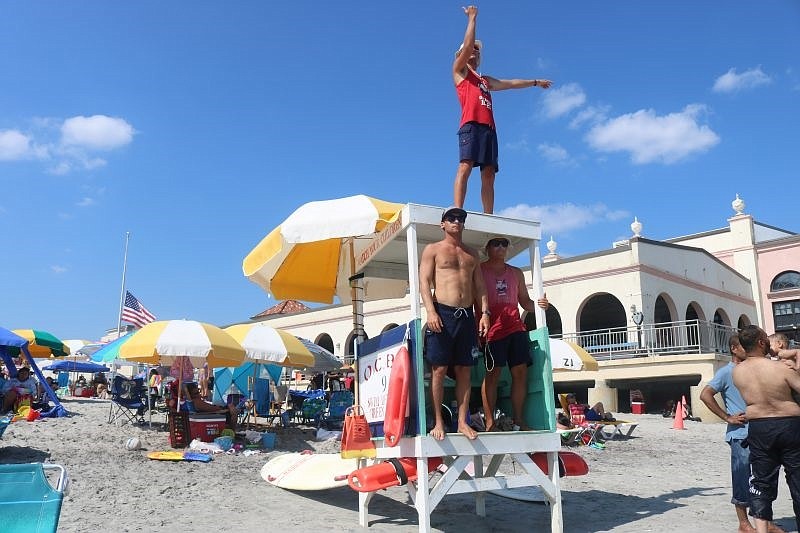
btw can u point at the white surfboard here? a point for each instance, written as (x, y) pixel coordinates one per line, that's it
(308, 471)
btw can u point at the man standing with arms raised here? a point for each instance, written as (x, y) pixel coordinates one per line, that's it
(774, 424)
(477, 138)
(450, 281)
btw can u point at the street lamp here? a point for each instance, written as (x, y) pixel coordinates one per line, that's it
(638, 318)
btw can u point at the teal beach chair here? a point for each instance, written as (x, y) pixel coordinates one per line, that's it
(28, 502)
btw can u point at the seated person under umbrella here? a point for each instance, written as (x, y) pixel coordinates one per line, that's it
(594, 413)
(19, 387)
(199, 405)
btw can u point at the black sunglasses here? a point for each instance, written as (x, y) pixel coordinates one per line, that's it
(455, 218)
(499, 242)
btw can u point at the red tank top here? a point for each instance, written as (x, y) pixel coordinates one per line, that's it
(503, 293)
(476, 100)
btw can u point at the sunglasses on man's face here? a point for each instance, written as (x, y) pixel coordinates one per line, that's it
(455, 218)
(494, 243)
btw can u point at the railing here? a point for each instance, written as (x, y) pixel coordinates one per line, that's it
(666, 338)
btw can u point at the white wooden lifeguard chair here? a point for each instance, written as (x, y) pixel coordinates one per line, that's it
(394, 254)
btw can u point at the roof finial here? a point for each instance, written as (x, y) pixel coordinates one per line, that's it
(636, 227)
(738, 205)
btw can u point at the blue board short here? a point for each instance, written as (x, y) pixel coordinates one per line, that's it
(458, 340)
(511, 350)
(478, 143)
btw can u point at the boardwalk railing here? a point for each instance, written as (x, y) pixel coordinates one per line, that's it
(666, 338)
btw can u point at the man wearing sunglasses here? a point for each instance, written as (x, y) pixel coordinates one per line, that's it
(450, 282)
(507, 337)
(477, 138)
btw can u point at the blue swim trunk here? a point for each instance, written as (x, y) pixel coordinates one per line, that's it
(511, 350)
(478, 143)
(740, 473)
(458, 340)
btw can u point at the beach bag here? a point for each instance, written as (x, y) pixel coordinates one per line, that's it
(356, 437)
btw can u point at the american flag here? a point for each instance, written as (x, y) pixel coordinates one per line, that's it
(134, 312)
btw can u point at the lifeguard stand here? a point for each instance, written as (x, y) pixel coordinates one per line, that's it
(393, 254)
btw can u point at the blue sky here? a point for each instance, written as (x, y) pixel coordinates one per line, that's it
(200, 126)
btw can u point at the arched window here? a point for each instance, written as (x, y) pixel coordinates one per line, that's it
(786, 281)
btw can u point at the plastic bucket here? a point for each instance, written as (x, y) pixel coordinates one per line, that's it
(268, 441)
(225, 442)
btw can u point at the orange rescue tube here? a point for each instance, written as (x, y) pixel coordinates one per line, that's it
(394, 420)
(388, 474)
(569, 464)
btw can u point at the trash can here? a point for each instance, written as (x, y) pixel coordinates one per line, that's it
(637, 408)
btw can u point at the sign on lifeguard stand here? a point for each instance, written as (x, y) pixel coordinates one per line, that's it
(396, 255)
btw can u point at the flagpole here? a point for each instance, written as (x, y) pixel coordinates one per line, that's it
(122, 289)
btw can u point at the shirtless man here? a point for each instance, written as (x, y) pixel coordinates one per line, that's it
(774, 424)
(450, 281)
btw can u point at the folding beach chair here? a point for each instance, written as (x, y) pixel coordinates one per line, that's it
(243, 410)
(128, 400)
(4, 423)
(313, 409)
(337, 406)
(28, 501)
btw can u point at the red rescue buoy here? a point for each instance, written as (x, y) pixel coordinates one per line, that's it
(388, 474)
(569, 464)
(394, 421)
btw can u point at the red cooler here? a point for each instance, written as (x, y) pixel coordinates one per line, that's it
(637, 408)
(206, 427)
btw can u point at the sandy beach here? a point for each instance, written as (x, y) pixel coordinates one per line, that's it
(660, 479)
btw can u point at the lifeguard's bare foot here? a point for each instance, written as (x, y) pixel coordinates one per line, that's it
(467, 431)
(437, 432)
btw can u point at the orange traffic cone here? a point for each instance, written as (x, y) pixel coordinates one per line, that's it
(678, 424)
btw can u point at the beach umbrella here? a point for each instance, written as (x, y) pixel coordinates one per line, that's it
(311, 255)
(167, 341)
(89, 349)
(41, 343)
(567, 355)
(109, 353)
(75, 366)
(264, 344)
(324, 360)
(11, 343)
(76, 345)
(176, 342)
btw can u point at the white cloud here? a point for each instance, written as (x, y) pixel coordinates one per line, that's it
(521, 146)
(591, 115)
(98, 132)
(555, 153)
(731, 82)
(558, 219)
(85, 202)
(14, 145)
(560, 101)
(651, 138)
(58, 269)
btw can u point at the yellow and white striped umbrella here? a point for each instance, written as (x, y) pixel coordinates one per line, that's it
(165, 341)
(567, 355)
(309, 257)
(264, 344)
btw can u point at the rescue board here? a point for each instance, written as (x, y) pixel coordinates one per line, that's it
(523, 494)
(308, 471)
